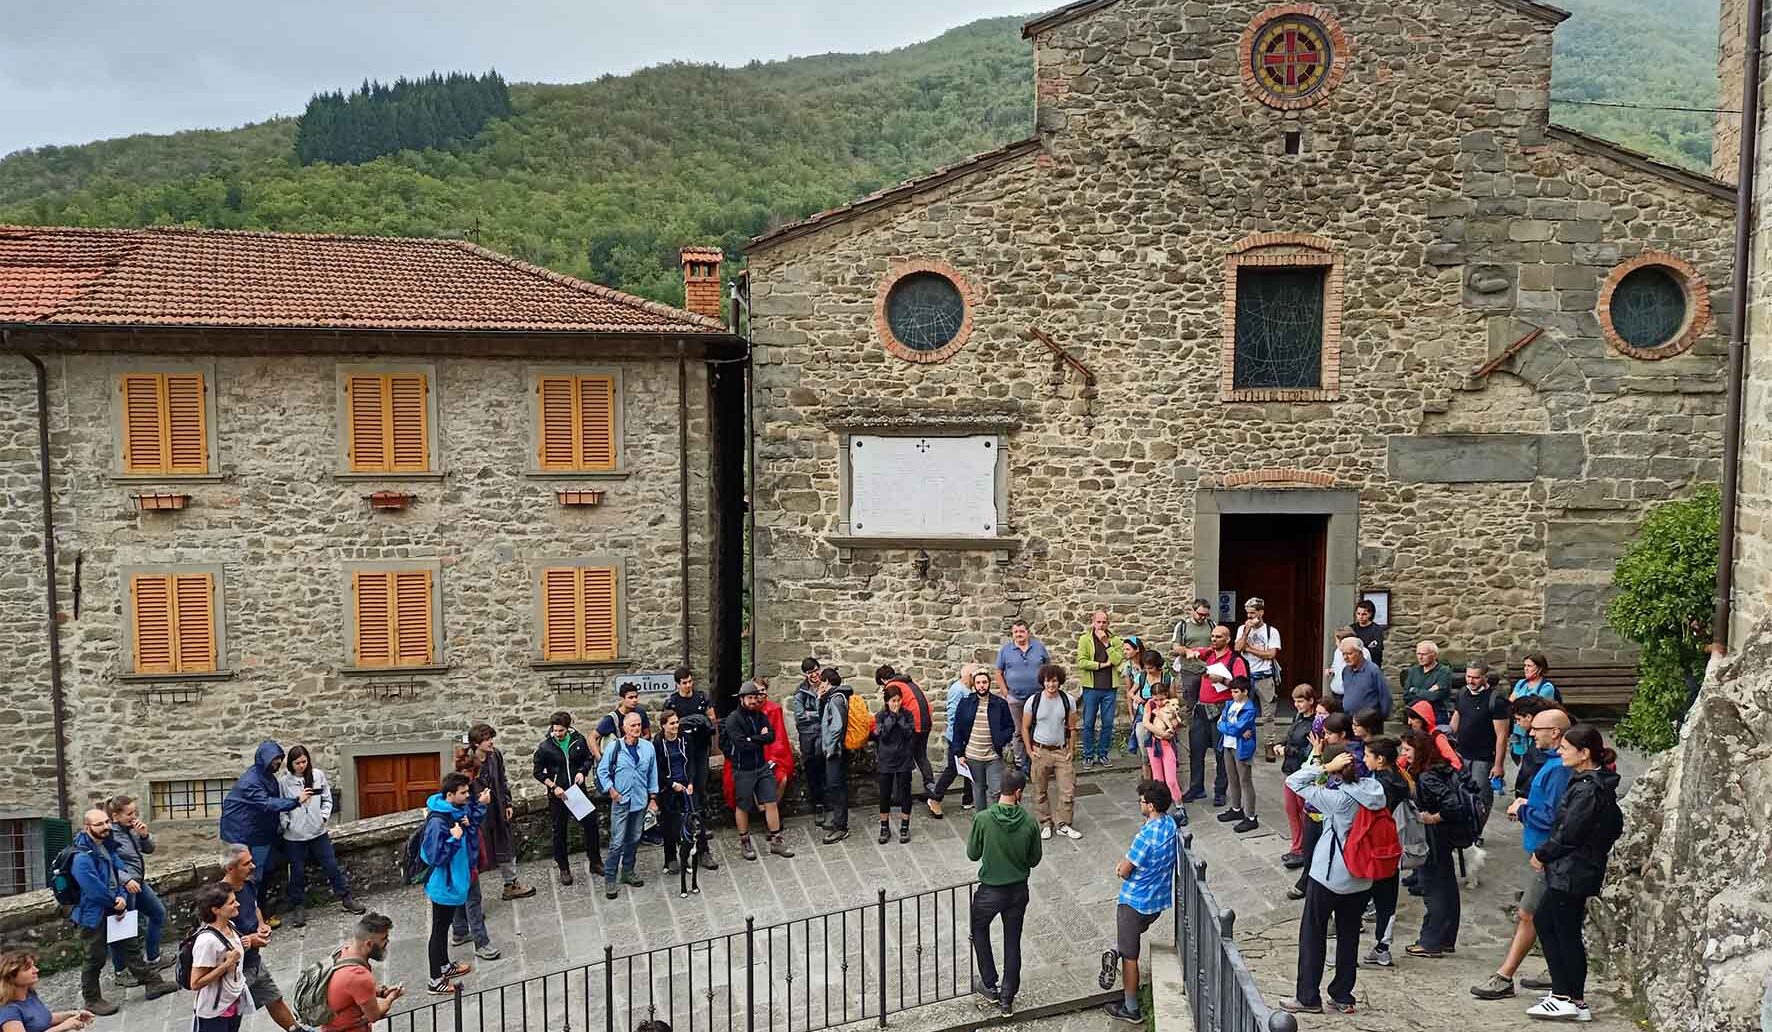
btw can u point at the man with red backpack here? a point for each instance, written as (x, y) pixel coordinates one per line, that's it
(917, 704)
(1334, 890)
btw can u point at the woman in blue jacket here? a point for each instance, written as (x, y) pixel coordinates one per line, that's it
(449, 846)
(1236, 729)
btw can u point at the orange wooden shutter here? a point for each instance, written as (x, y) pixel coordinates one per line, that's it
(152, 596)
(596, 434)
(367, 441)
(193, 622)
(375, 626)
(412, 618)
(144, 447)
(408, 434)
(187, 447)
(557, 434)
(599, 613)
(562, 626)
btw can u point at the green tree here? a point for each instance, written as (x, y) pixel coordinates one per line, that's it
(1666, 583)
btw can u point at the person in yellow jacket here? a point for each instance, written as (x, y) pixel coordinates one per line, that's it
(1099, 652)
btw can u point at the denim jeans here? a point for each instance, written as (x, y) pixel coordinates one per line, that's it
(624, 838)
(1099, 705)
(470, 917)
(320, 849)
(153, 919)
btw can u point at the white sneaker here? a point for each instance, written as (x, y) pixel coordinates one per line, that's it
(1045, 831)
(1558, 1008)
(1069, 832)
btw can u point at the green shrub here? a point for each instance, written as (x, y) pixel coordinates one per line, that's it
(1666, 583)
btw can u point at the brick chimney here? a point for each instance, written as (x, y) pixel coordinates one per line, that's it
(703, 292)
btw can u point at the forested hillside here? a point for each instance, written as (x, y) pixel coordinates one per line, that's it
(605, 179)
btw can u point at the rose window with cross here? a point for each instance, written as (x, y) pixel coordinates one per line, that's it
(1293, 56)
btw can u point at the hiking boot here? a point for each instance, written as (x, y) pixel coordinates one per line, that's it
(988, 992)
(904, 831)
(517, 890)
(1294, 1006)
(350, 906)
(458, 939)
(708, 863)
(1416, 949)
(1495, 987)
(1193, 794)
(610, 891)
(565, 876)
(125, 980)
(1376, 957)
(1537, 985)
(101, 1006)
(1295, 893)
(744, 846)
(161, 987)
(1292, 861)
(1232, 816)
(835, 835)
(633, 878)
(298, 916)
(1117, 1010)
(886, 833)
(163, 962)
(778, 846)
(487, 952)
(1246, 824)
(1110, 969)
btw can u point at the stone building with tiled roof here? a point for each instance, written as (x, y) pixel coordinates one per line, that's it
(355, 492)
(1305, 301)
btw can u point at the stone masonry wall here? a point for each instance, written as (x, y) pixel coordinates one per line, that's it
(25, 715)
(1753, 565)
(283, 525)
(1463, 224)
(1731, 57)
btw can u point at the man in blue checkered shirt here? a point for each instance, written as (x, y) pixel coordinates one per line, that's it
(1147, 889)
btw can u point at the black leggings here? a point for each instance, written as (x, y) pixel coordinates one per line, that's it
(438, 948)
(895, 792)
(1558, 920)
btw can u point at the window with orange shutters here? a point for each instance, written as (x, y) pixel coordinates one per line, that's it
(387, 422)
(575, 417)
(579, 614)
(174, 623)
(394, 618)
(165, 424)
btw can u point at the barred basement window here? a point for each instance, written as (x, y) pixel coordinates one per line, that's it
(188, 799)
(1279, 342)
(21, 856)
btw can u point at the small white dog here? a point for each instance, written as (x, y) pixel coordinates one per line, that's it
(1471, 861)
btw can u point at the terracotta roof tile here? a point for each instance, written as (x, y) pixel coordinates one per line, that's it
(201, 277)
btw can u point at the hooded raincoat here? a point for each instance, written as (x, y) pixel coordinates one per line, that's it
(252, 813)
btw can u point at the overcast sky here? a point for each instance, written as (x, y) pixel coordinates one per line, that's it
(79, 70)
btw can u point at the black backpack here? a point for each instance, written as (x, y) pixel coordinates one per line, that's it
(61, 878)
(1464, 818)
(412, 862)
(187, 946)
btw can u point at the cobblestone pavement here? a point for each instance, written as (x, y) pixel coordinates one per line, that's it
(1069, 921)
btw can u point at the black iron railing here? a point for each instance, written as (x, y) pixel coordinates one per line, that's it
(813, 973)
(1221, 990)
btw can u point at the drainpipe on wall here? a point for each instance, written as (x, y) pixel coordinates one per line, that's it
(1744, 227)
(741, 298)
(52, 600)
(683, 484)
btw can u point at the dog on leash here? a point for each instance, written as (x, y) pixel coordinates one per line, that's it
(689, 872)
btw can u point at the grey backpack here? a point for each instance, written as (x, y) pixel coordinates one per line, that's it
(1412, 834)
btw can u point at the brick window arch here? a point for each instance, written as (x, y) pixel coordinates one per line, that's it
(931, 305)
(1654, 306)
(1282, 319)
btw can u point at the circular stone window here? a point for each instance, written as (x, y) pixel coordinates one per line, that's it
(923, 312)
(1654, 307)
(1293, 55)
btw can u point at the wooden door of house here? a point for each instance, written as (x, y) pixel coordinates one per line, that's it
(389, 784)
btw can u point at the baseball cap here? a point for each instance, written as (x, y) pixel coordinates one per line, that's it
(751, 688)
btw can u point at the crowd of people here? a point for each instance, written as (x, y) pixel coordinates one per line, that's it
(1374, 806)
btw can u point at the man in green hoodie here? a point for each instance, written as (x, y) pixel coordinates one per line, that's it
(1006, 843)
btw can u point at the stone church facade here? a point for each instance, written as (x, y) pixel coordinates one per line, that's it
(1305, 300)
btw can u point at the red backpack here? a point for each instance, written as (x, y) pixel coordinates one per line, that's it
(1372, 849)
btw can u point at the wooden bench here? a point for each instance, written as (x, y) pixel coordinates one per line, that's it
(1595, 687)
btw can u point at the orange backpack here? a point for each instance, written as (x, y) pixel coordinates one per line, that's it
(860, 726)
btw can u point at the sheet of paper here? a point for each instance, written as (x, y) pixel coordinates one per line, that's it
(1218, 672)
(122, 927)
(579, 803)
(962, 768)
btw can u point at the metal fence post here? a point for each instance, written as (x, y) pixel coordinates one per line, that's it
(750, 970)
(882, 929)
(457, 1008)
(608, 988)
